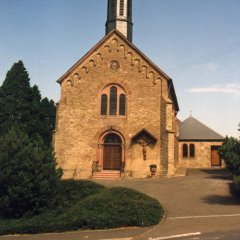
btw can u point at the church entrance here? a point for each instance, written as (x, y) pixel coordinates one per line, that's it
(112, 152)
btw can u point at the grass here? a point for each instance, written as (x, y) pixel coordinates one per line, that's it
(88, 205)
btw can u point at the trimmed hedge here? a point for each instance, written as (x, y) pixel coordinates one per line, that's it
(72, 191)
(87, 205)
(117, 207)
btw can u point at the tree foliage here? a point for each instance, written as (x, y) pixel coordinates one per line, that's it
(230, 152)
(28, 176)
(22, 105)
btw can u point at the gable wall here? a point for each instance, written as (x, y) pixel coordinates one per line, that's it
(79, 124)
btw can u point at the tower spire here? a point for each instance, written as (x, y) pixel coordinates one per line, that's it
(120, 17)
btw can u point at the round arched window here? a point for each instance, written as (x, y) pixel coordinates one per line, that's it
(113, 101)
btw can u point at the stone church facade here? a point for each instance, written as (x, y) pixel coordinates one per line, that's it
(118, 111)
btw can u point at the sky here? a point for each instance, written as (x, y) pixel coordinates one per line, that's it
(197, 43)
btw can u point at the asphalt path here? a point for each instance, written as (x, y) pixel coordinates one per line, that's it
(198, 206)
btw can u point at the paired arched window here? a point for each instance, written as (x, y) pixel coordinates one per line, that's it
(190, 149)
(113, 101)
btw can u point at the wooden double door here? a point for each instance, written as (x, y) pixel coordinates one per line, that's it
(112, 157)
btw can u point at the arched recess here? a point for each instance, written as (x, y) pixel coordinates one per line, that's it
(114, 44)
(111, 151)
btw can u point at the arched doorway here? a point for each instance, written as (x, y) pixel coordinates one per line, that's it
(112, 152)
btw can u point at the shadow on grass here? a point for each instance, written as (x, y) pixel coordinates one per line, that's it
(231, 199)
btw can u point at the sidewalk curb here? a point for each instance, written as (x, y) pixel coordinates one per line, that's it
(139, 237)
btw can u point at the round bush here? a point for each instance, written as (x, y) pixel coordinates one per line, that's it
(72, 191)
(90, 206)
(116, 207)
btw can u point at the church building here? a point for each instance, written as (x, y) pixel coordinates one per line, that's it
(117, 115)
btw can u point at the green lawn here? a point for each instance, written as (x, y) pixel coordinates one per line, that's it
(88, 205)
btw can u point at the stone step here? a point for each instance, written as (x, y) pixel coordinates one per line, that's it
(106, 175)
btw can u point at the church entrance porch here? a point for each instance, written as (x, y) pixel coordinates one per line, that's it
(112, 152)
(110, 156)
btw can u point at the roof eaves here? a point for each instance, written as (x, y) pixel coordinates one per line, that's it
(200, 140)
(173, 94)
(85, 56)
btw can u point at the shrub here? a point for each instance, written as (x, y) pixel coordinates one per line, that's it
(28, 176)
(97, 208)
(72, 191)
(230, 152)
(236, 185)
(116, 207)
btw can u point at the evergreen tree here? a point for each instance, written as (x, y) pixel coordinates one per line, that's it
(230, 153)
(14, 95)
(28, 176)
(47, 116)
(23, 105)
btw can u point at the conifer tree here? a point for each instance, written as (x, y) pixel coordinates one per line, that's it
(23, 105)
(28, 176)
(14, 94)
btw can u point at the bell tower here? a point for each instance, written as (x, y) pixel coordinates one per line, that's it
(120, 17)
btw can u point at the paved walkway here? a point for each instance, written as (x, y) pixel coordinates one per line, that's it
(199, 202)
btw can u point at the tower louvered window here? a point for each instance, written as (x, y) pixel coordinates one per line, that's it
(129, 8)
(121, 8)
(112, 8)
(113, 101)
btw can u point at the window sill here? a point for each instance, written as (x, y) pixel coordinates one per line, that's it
(112, 117)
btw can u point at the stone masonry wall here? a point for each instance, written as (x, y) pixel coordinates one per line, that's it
(80, 125)
(202, 155)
